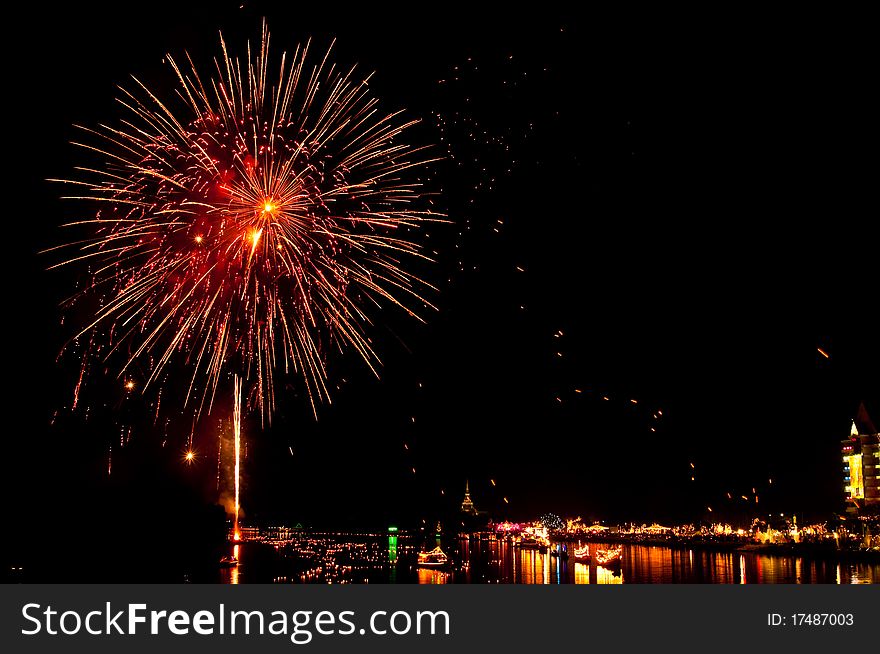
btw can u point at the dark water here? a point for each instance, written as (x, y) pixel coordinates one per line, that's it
(392, 560)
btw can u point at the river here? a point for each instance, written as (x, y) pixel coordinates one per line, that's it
(392, 559)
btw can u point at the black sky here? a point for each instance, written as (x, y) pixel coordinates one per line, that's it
(688, 198)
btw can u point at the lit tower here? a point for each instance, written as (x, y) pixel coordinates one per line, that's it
(861, 465)
(467, 505)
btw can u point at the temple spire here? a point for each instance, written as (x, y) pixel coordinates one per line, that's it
(467, 505)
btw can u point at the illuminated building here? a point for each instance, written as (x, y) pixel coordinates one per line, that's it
(278, 533)
(861, 465)
(467, 506)
(469, 519)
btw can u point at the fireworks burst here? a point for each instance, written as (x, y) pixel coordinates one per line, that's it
(247, 225)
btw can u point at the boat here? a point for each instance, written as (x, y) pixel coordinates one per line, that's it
(609, 557)
(228, 562)
(582, 554)
(531, 543)
(436, 558)
(562, 555)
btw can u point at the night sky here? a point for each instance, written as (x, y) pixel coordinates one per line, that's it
(669, 209)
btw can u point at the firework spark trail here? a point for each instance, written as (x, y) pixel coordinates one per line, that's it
(244, 224)
(236, 426)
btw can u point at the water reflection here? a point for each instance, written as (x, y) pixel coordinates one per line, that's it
(392, 559)
(392, 549)
(590, 573)
(427, 576)
(501, 562)
(230, 575)
(860, 575)
(608, 576)
(233, 572)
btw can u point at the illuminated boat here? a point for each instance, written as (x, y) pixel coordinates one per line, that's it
(436, 558)
(531, 543)
(582, 554)
(228, 562)
(610, 557)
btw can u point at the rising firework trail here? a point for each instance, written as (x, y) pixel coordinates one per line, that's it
(236, 427)
(247, 224)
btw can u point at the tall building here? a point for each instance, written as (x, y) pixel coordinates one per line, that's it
(861, 465)
(467, 506)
